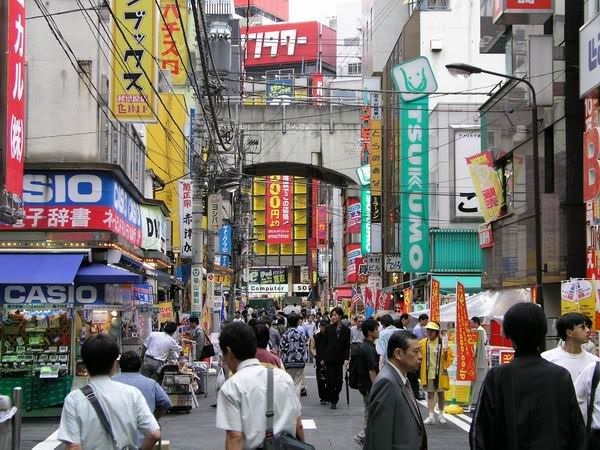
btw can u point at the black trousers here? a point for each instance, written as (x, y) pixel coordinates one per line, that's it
(321, 380)
(335, 374)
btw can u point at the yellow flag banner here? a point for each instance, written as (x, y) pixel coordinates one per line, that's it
(434, 307)
(487, 185)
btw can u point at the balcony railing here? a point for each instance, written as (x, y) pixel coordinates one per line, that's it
(428, 5)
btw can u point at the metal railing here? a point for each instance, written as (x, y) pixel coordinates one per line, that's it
(10, 417)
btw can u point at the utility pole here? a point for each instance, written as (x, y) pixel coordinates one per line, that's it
(197, 232)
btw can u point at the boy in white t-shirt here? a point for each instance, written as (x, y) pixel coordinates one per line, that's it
(573, 330)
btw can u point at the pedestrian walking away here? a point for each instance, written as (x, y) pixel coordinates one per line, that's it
(367, 368)
(293, 352)
(157, 348)
(108, 414)
(242, 400)
(394, 420)
(529, 403)
(266, 358)
(337, 354)
(437, 358)
(317, 348)
(387, 322)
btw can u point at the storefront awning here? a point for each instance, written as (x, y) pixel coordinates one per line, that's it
(39, 268)
(344, 291)
(103, 274)
(472, 283)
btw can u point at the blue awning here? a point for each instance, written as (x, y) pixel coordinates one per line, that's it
(39, 268)
(103, 274)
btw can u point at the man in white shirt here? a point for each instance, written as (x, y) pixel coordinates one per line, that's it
(476, 326)
(242, 400)
(573, 330)
(157, 348)
(124, 406)
(583, 389)
(384, 336)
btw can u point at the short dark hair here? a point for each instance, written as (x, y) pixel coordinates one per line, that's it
(323, 323)
(339, 311)
(476, 320)
(369, 325)
(399, 339)
(569, 321)
(386, 320)
(404, 316)
(130, 362)
(293, 320)
(525, 325)
(262, 335)
(240, 338)
(423, 317)
(170, 328)
(195, 320)
(99, 353)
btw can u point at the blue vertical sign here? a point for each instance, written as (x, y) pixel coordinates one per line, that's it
(225, 244)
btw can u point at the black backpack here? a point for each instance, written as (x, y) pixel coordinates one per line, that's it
(353, 372)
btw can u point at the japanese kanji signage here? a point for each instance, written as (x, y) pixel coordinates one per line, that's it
(134, 69)
(434, 307)
(466, 143)
(225, 245)
(353, 215)
(279, 198)
(65, 200)
(365, 134)
(165, 312)
(185, 216)
(353, 254)
(196, 285)
(375, 158)
(215, 212)
(465, 362)
(322, 226)
(408, 300)
(13, 147)
(486, 184)
(173, 52)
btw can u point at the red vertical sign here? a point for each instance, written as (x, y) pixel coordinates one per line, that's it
(465, 365)
(322, 226)
(408, 300)
(14, 157)
(279, 198)
(353, 255)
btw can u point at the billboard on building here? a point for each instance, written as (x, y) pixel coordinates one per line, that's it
(173, 51)
(279, 197)
(135, 72)
(290, 43)
(466, 143)
(353, 256)
(277, 8)
(13, 115)
(353, 213)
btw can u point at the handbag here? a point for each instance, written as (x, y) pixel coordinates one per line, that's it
(208, 350)
(89, 393)
(282, 441)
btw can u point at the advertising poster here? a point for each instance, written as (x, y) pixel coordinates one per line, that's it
(465, 361)
(579, 296)
(322, 226)
(434, 307)
(353, 215)
(173, 51)
(486, 184)
(279, 198)
(165, 312)
(353, 253)
(408, 300)
(134, 35)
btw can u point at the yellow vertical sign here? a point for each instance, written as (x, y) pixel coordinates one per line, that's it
(173, 52)
(135, 74)
(376, 168)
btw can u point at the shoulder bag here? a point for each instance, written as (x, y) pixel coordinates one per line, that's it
(208, 350)
(282, 441)
(89, 393)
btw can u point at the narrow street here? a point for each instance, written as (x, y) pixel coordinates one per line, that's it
(325, 428)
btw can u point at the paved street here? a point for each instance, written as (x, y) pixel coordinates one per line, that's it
(325, 428)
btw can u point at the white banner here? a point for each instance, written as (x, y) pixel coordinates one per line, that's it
(154, 228)
(185, 217)
(196, 280)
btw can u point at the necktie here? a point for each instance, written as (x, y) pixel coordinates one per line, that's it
(411, 395)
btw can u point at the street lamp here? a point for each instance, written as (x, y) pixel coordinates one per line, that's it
(466, 70)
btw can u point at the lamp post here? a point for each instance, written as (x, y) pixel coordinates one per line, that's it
(466, 70)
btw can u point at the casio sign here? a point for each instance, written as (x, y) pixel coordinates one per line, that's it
(57, 189)
(55, 295)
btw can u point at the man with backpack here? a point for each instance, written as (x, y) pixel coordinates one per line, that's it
(364, 372)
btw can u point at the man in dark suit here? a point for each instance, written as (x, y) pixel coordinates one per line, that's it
(337, 353)
(394, 419)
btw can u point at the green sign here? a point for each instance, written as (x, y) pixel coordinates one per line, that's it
(365, 222)
(414, 184)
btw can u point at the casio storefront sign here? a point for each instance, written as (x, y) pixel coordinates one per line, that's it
(589, 56)
(51, 295)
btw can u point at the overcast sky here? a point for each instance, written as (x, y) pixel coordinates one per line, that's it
(312, 9)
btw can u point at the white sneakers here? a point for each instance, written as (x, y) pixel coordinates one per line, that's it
(431, 420)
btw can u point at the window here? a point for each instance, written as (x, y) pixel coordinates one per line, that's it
(354, 68)
(428, 4)
(352, 42)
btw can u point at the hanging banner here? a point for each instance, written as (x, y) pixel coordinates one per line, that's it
(225, 244)
(196, 284)
(487, 185)
(322, 226)
(173, 51)
(365, 221)
(353, 215)
(578, 296)
(135, 71)
(352, 254)
(434, 307)
(279, 198)
(215, 212)
(165, 313)
(414, 185)
(408, 300)
(154, 228)
(185, 217)
(13, 144)
(465, 361)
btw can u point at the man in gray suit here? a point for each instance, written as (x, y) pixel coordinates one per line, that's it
(394, 420)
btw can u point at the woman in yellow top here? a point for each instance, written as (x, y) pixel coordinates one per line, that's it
(436, 357)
